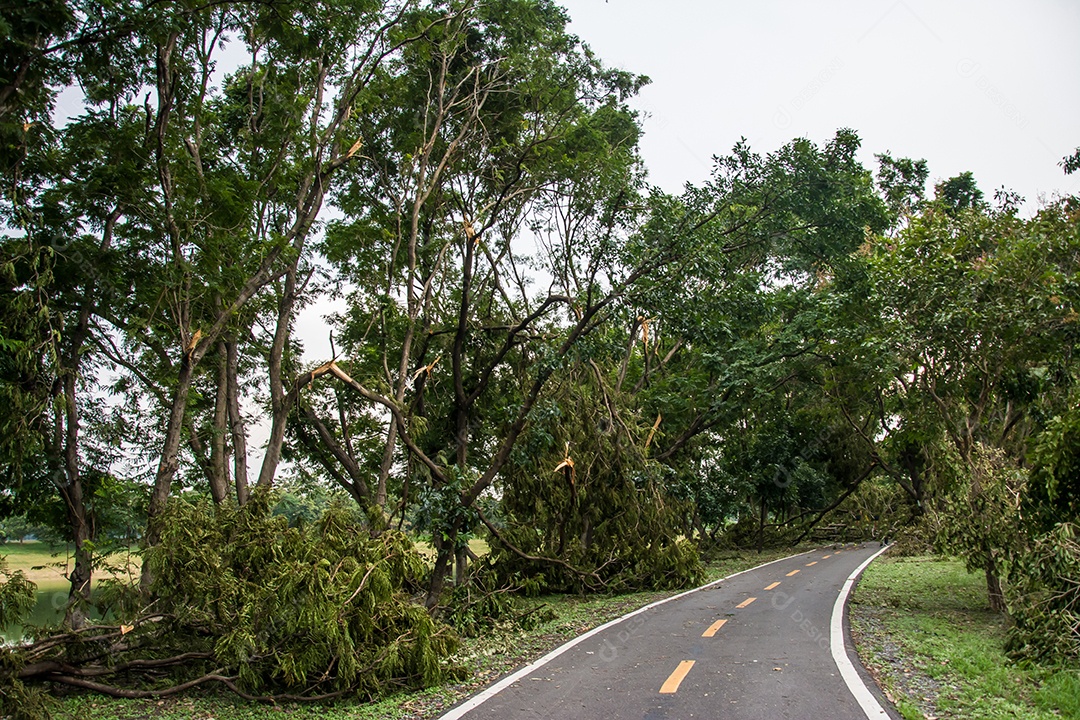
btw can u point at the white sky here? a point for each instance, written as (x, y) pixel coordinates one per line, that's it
(991, 87)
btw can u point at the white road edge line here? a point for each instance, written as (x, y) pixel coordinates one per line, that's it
(491, 691)
(855, 684)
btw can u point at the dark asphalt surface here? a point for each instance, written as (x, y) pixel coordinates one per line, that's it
(770, 659)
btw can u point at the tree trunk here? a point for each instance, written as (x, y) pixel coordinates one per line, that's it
(913, 463)
(72, 493)
(993, 588)
(461, 570)
(279, 403)
(71, 490)
(354, 483)
(445, 555)
(236, 422)
(219, 480)
(385, 465)
(586, 533)
(170, 460)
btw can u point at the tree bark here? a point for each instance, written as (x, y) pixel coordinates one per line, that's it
(279, 405)
(354, 483)
(219, 480)
(586, 532)
(993, 588)
(912, 461)
(386, 464)
(236, 422)
(170, 459)
(461, 569)
(72, 493)
(444, 556)
(71, 490)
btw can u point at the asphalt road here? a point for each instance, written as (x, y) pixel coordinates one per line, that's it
(756, 645)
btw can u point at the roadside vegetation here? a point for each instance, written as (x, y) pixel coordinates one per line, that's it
(545, 378)
(540, 625)
(924, 627)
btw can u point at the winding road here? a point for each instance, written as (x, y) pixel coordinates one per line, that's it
(770, 642)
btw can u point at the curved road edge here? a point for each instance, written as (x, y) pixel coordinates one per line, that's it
(459, 711)
(842, 646)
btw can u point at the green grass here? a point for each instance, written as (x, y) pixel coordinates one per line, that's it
(29, 547)
(924, 628)
(42, 563)
(23, 556)
(478, 545)
(485, 659)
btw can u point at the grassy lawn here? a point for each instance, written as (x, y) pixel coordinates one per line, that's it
(37, 561)
(46, 569)
(924, 628)
(478, 545)
(485, 659)
(46, 566)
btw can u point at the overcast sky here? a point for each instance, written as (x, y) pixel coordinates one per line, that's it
(991, 87)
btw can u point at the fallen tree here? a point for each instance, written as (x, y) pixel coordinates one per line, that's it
(244, 601)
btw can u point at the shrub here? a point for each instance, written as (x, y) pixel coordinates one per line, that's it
(1044, 598)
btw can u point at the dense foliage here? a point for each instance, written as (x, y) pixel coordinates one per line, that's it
(315, 611)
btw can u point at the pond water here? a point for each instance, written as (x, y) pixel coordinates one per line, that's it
(48, 568)
(48, 610)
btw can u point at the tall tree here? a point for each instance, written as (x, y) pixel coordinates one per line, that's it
(731, 331)
(976, 306)
(178, 208)
(502, 124)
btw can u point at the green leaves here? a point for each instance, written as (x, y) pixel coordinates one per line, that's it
(312, 609)
(958, 194)
(1045, 600)
(17, 595)
(1054, 495)
(902, 182)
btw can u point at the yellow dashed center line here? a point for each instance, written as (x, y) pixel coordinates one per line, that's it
(672, 683)
(793, 572)
(770, 587)
(713, 628)
(826, 557)
(813, 563)
(745, 602)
